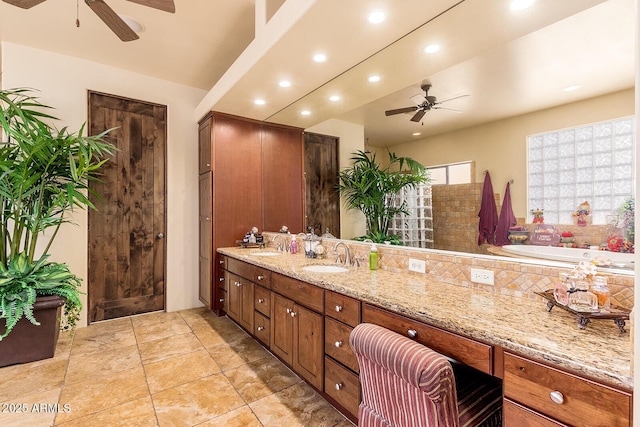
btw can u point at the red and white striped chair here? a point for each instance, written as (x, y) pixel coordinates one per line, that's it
(405, 384)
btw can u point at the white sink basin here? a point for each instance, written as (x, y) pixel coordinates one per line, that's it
(325, 269)
(266, 253)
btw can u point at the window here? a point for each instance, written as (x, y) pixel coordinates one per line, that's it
(415, 229)
(592, 163)
(455, 173)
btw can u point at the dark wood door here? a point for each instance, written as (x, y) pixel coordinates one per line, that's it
(205, 187)
(322, 207)
(282, 328)
(308, 345)
(127, 249)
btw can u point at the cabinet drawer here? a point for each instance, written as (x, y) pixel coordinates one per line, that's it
(581, 402)
(514, 414)
(224, 301)
(263, 300)
(252, 272)
(342, 308)
(302, 293)
(342, 385)
(336, 343)
(262, 328)
(470, 352)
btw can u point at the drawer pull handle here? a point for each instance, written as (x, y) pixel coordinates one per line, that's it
(261, 300)
(338, 308)
(338, 344)
(238, 284)
(339, 386)
(412, 333)
(288, 310)
(221, 262)
(221, 299)
(261, 328)
(293, 313)
(221, 279)
(260, 277)
(556, 397)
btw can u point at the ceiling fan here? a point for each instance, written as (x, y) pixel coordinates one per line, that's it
(424, 103)
(108, 15)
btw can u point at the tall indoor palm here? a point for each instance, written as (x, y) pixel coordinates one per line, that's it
(374, 190)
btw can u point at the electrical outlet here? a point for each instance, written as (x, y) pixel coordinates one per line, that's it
(482, 276)
(417, 265)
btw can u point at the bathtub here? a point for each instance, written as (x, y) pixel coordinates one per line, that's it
(556, 253)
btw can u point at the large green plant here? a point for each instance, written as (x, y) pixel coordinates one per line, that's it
(44, 174)
(374, 190)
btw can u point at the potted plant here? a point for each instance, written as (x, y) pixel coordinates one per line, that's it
(44, 174)
(374, 190)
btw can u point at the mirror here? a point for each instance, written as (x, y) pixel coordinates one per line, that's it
(514, 79)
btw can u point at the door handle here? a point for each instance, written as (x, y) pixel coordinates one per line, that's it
(160, 235)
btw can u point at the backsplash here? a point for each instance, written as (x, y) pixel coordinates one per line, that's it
(512, 277)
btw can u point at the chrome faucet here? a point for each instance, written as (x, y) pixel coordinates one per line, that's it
(282, 245)
(347, 253)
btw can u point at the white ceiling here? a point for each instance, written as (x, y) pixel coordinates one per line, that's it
(509, 63)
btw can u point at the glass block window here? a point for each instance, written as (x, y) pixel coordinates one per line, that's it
(592, 163)
(415, 229)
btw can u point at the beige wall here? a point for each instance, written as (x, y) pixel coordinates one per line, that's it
(63, 83)
(500, 147)
(352, 222)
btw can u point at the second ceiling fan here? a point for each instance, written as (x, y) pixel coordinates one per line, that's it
(424, 103)
(108, 15)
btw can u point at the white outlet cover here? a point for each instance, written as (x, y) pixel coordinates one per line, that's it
(417, 265)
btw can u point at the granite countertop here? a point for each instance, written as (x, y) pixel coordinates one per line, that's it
(600, 351)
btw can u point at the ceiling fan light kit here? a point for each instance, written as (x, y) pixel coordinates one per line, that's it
(116, 23)
(423, 103)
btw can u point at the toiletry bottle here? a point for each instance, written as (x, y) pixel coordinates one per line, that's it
(373, 258)
(294, 245)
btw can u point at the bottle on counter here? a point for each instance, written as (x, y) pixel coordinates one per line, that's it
(373, 258)
(602, 292)
(293, 247)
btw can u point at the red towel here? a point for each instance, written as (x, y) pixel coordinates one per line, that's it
(507, 219)
(488, 213)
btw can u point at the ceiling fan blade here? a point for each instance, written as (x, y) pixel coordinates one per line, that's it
(113, 21)
(418, 99)
(418, 116)
(165, 5)
(448, 109)
(452, 98)
(400, 111)
(24, 4)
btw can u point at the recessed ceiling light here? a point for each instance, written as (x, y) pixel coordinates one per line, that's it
(416, 134)
(572, 88)
(373, 79)
(136, 26)
(334, 98)
(432, 48)
(320, 57)
(305, 112)
(377, 16)
(259, 102)
(521, 4)
(284, 83)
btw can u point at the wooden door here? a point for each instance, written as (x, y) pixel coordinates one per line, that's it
(247, 304)
(205, 237)
(322, 207)
(126, 245)
(308, 345)
(235, 297)
(281, 328)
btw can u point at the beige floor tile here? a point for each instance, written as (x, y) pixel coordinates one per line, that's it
(155, 331)
(29, 378)
(88, 397)
(241, 417)
(165, 348)
(236, 353)
(178, 370)
(155, 317)
(33, 410)
(207, 335)
(138, 413)
(103, 336)
(63, 346)
(258, 379)
(298, 405)
(197, 314)
(84, 366)
(196, 402)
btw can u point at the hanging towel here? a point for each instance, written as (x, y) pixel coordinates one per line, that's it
(488, 213)
(507, 219)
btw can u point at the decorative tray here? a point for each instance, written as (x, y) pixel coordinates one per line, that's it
(250, 245)
(617, 314)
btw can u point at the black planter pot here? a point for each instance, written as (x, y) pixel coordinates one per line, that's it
(28, 342)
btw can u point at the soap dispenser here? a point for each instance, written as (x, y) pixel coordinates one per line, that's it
(373, 258)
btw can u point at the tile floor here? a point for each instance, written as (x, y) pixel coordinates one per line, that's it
(187, 368)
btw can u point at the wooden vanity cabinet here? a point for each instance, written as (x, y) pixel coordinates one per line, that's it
(297, 327)
(546, 396)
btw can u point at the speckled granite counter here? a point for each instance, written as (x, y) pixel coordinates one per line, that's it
(600, 351)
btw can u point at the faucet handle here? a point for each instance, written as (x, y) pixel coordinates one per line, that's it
(357, 260)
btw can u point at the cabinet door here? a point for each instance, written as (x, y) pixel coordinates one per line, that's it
(282, 328)
(234, 296)
(308, 344)
(204, 146)
(246, 305)
(205, 237)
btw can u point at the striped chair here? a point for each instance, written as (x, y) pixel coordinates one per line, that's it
(405, 384)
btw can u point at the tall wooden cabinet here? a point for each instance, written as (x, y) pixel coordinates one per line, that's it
(251, 174)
